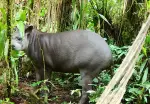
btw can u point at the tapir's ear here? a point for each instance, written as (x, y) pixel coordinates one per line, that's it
(28, 29)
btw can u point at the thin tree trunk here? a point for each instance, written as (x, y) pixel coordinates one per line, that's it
(30, 10)
(64, 18)
(53, 14)
(38, 10)
(9, 48)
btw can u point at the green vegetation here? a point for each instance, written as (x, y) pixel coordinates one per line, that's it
(118, 21)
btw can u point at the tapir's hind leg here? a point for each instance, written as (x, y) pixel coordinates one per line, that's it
(87, 76)
(86, 81)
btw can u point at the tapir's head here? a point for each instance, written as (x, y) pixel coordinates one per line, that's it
(20, 42)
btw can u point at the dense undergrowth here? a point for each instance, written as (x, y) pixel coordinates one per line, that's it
(104, 17)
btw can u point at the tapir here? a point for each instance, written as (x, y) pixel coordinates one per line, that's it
(77, 51)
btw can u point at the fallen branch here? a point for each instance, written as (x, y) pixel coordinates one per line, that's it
(113, 95)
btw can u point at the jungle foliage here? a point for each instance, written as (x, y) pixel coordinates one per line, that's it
(118, 21)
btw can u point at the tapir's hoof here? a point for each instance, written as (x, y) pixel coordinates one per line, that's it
(42, 93)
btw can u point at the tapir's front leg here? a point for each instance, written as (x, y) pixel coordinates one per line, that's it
(41, 76)
(86, 81)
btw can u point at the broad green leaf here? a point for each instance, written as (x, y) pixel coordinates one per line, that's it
(16, 74)
(147, 39)
(140, 57)
(148, 4)
(145, 75)
(78, 91)
(135, 91)
(144, 85)
(103, 17)
(145, 99)
(21, 53)
(3, 11)
(95, 80)
(128, 99)
(144, 50)
(36, 83)
(20, 26)
(21, 15)
(142, 66)
(2, 43)
(6, 50)
(43, 12)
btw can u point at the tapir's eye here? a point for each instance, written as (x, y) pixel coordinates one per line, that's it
(19, 38)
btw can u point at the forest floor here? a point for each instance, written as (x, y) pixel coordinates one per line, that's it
(24, 94)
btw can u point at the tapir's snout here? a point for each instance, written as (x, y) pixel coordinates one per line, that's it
(13, 47)
(12, 44)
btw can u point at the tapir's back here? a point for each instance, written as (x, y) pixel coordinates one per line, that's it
(80, 48)
(84, 39)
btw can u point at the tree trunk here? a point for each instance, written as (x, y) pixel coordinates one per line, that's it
(64, 18)
(59, 12)
(9, 48)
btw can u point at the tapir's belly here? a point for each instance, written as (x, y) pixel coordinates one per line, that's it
(86, 57)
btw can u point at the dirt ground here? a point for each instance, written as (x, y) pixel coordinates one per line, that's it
(25, 94)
